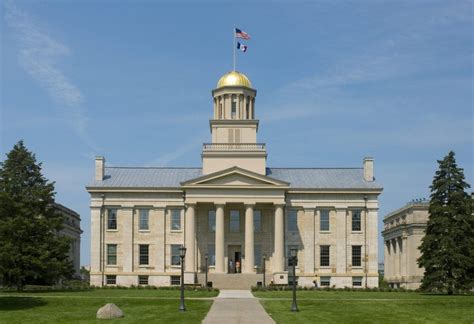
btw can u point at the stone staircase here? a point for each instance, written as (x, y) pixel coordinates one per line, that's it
(233, 280)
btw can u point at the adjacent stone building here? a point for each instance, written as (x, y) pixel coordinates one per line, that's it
(235, 212)
(403, 231)
(71, 229)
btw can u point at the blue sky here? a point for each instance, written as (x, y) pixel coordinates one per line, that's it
(336, 81)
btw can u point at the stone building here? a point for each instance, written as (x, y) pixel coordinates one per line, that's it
(234, 210)
(403, 231)
(71, 229)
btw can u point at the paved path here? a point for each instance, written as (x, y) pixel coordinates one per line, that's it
(237, 306)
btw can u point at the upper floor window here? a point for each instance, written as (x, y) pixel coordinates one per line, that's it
(112, 218)
(324, 257)
(111, 254)
(324, 220)
(257, 221)
(356, 255)
(144, 221)
(175, 258)
(234, 221)
(175, 219)
(211, 220)
(143, 257)
(292, 220)
(356, 221)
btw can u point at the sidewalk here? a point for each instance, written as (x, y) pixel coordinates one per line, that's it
(237, 306)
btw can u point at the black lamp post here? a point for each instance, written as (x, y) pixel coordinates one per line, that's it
(264, 257)
(182, 254)
(206, 257)
(293, 263)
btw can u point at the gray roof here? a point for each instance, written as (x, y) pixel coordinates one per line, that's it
(302, 178)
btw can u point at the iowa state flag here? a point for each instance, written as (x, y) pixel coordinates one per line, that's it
(242, 47)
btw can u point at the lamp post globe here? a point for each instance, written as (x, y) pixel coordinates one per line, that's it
(182, 254)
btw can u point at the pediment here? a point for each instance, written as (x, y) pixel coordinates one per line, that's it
(234, 177)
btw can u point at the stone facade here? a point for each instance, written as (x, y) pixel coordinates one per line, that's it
(403, 231)
(234, 210)
(71, 229)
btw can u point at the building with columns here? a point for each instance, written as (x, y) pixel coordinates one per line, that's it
(403, 231)
(234, 214)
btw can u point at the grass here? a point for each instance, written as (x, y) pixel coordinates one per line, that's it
(367, 307)
(138, 305)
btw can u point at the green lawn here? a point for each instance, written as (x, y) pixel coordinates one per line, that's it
(367, 307)
(76, 307)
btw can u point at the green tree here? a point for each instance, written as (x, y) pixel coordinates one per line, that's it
(447, 249)
(31, 251)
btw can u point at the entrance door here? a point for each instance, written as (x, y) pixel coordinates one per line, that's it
(234, 253)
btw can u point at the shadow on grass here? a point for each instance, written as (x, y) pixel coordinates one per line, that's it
(18, 303)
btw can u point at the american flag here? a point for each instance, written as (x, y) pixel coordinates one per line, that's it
(241, 34)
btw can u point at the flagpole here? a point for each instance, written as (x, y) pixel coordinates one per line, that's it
(233, 49)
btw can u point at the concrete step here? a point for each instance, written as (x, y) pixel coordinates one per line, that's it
(233, 280)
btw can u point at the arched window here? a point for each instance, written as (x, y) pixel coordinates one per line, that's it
(234, 107)
(220, 109)
(247, 108)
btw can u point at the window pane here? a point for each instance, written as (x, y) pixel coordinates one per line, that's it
(258, 255)
(234, 221)
(356, 255)
(357, 281)
(111, 218)
(212, 220)
(325, 281)
(257, 221)
(292, 221)
(175, 219)
(111, 254)
(356, 226)
(143, 280)
(324, 220)
(143, 258)
(175, 280)
(175, 259)
(144, 219)
(211, 251)
(111, 279)
(324, 255)
(288, 251)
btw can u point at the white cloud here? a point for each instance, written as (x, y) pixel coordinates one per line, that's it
(39, 56)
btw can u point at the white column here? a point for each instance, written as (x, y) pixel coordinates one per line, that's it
(190, 236)
(278, 263)
(249, 240)
(220, 261)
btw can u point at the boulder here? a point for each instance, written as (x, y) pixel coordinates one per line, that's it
(109, 311)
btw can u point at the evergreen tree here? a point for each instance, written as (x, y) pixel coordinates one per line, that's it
(30, 249)
(447, 249)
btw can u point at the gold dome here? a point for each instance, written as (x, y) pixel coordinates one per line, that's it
(234, 78)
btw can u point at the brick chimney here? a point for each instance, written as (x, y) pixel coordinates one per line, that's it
(99, 168)
(369, 169)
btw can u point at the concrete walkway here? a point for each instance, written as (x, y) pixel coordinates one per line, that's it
(237, 306)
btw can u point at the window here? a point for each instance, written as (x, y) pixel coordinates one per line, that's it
(175, 219)
(247, 108)
(234, 107)
(324, 256)
(143, 223)
(175, 280)
(257, 221)
(111, 218)
(292, 221)
(357, 281)
(258, 255)
(324, 220)
(211, 220)
(143, 280)
(356, 255)
(325, 281)
(143, 256)
(220, 110)
(175, 259)
(356, 225)
(211, 252)
(234, 221)
(288, 252)
(111, 279)
(112, 254)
